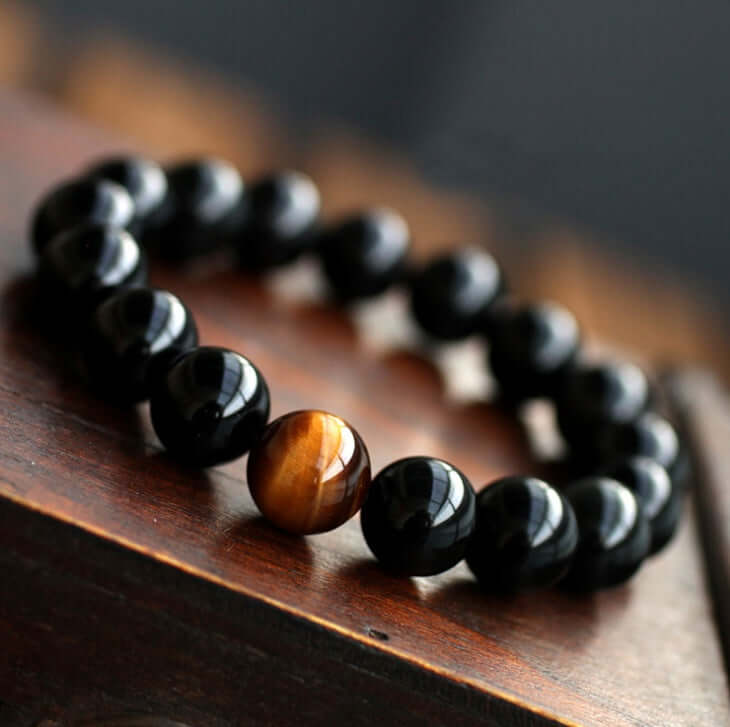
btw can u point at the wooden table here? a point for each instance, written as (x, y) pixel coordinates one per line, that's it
(132, 585)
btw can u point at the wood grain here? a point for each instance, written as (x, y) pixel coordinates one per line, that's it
(704, 409)
(134, 585)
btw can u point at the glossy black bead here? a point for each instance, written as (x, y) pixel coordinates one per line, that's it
(79, 201)
(451, 296)
(203, 202)
(614, 533)
(85, 264)
(418, 516)
(144, 180)
(211, 406)
(133, 338)
(660, 498)
(650, 435)
(525, 536)
(278, 223)
(592, 397)
(531, 347)
(365, 254)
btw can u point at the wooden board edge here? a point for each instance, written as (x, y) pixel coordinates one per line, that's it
(366, 655)
(701, 405)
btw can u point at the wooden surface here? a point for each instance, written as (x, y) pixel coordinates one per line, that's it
(704, 410)
(159, 589)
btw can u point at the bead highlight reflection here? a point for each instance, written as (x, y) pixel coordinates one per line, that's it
(134, 336)
(525, 536)
(309, 472)
(419, 516)
(210, 407)
(614, 533)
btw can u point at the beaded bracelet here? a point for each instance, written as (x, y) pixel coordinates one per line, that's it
(309, 471)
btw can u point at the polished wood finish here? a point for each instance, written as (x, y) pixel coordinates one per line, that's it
(704, 410)
(309, 473)
(131, 584)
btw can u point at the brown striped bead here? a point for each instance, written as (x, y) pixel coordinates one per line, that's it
(309, 472)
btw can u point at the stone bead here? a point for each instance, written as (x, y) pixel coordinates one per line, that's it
(650, 435)
(365, 254)
(203, 201)
(85, 264)
(531, 347)
(418, 516)
(593, 396)
(659, 497)
(309, 472)
(144, 180)
(614, 534)
(525, 536)
(79, 201)
(134, 337)
(210, 406)
(451, 296)
(278, 222)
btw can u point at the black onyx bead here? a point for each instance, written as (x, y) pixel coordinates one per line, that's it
(660, 498)
(144, 180)
(525, 536)
(531, 347)
(210, 407)
(365, 254)
(650, 435)
(614, 534)
(85, 264)
(418, 516)
(451, 296)
(203, 201)
(592, 397)
(278, 221)
(133, 339)
(78, 201)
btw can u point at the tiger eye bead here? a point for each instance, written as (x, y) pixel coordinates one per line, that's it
(530, 347)
(614, 534)
(134, 336)
(365, 254)
(451, 296)
(203, 200)
(309, 472)
(525, 535)
(210, 406)
(277, 222)
(144, 180)
(659, 497)
(418, 516)
(82, 266)
(80, 201)
(592, 397)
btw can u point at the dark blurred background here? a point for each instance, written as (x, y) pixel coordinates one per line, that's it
(611, 114)
(583, 143)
